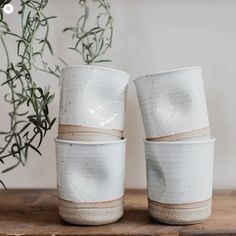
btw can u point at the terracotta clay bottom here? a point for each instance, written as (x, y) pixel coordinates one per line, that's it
(180, 214)
(98, 213)
(83, 133)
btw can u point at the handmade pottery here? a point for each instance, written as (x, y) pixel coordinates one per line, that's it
(173, 104)
(179, 180)
(92, 105)
(91, 179)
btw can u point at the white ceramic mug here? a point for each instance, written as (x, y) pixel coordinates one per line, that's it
(173, 104)
(91, 178)
(92, 105)
(179, 180)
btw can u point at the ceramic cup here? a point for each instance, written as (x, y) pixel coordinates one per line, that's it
(173, 105)
(92, 105)
(90, 178)
(179, 177)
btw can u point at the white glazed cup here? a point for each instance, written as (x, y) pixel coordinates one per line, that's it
(90, 178)
(173, 104)
(92, 105)
(179, 180)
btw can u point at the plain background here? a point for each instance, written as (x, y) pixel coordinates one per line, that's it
(151, 36)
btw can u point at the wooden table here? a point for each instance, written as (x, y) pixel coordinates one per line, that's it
(34, 212)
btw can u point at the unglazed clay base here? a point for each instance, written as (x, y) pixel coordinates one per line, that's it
(83, 133)
(199, 134)
(180, 214)
(98, 213)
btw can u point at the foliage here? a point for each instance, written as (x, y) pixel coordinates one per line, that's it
(29, 116)
(93, 43)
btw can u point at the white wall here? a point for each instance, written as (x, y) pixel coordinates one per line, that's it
(151, 36)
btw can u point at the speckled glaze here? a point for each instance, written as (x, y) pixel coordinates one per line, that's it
(93, 97)
(90, 174)
(179, 180)
(173, 102)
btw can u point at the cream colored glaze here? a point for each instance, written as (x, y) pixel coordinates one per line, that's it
(172, 102)
(93, 96)
(179, 172)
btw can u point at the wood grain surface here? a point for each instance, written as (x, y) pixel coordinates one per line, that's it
(34, 212)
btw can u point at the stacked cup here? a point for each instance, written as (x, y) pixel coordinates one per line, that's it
(178, 147)
(90, 146)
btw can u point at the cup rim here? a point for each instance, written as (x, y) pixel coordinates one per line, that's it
(96, 67)
(167, 71)
(210, 140)
(57, 140)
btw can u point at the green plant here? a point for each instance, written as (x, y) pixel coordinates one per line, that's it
(29, 116)
(93, 43)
